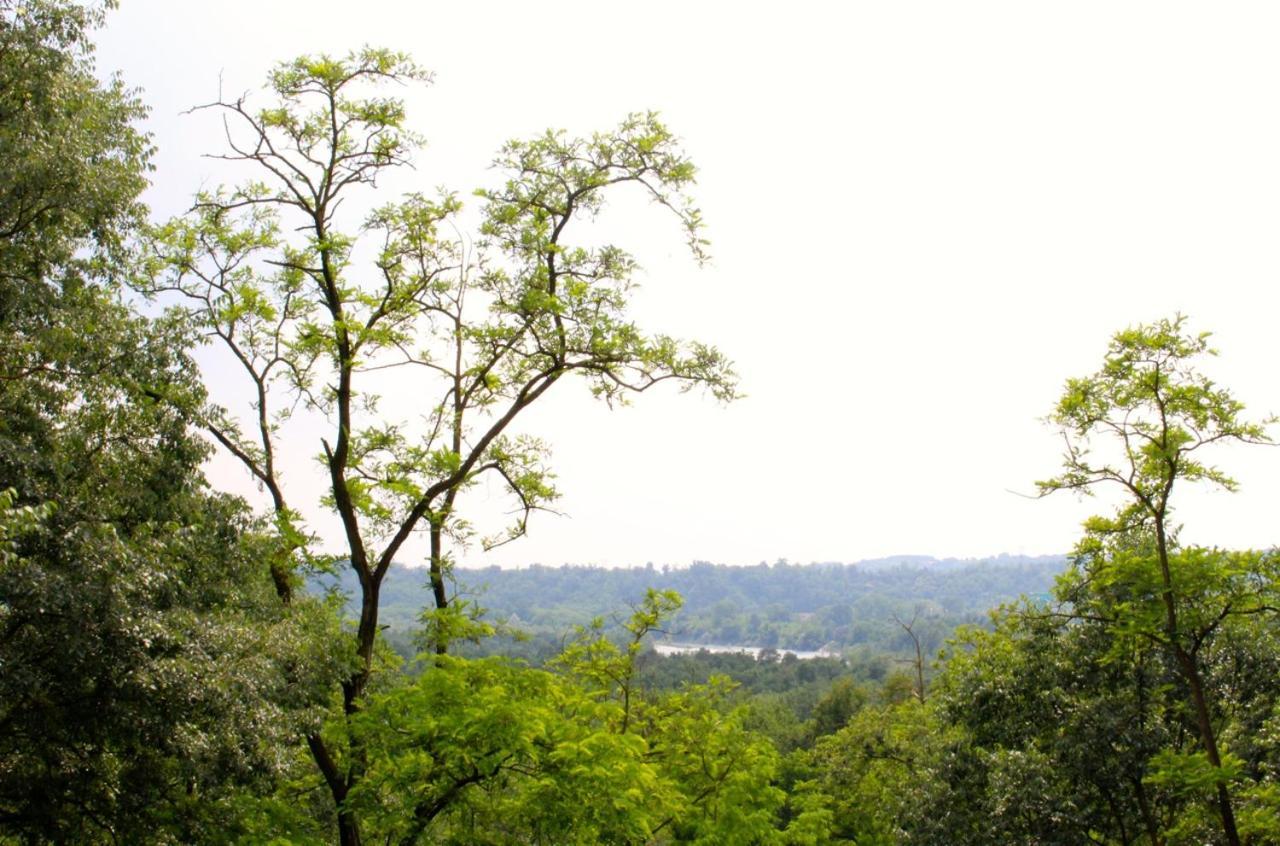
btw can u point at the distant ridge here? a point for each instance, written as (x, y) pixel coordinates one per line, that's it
(1000, 559)
(799, 606)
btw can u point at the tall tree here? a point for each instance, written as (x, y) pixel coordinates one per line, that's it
(72, 165)
(474, 331)
(132, 612)
(1152, 413)
(72, 162)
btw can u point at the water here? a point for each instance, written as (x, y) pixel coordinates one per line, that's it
(753, 651)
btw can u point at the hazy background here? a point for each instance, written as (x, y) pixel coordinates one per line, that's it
(924, 218)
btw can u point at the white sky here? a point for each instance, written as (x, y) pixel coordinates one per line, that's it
(924, 217)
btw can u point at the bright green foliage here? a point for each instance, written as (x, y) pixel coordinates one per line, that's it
(1157, 411)
(480, 331)
(485, 751)
(489, 751)
(722, 773)
(1124, 590)
(471, 332)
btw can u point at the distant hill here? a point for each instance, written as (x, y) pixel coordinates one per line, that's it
(783, 605)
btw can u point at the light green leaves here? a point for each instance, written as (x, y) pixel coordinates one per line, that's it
(1150, 412)
(452, 337)
(492, 751)
(573, 299)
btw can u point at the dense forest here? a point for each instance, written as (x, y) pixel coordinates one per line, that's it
(173, 669)
(781, 606)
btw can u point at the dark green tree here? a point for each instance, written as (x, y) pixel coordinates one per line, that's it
(1063, 738)
(144, 678)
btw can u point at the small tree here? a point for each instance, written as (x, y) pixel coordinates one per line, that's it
(1155, 413)
(479, 331)
(916, 662)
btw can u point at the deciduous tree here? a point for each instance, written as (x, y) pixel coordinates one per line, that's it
(325, 316)
(1152, 412)
(145, 682)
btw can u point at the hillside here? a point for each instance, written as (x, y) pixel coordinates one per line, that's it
(783, 605)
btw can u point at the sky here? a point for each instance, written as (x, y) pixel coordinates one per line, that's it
(924, 218)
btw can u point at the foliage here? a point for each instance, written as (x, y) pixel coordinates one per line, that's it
(1133, 705)
(874, 772)
(490, 751)
(72, 164)
(475, 330)
(164, 681)
(1158, 412)
(844, 607)
(147, 680)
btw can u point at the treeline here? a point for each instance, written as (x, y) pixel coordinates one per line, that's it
(783, 605)
(1055, 726)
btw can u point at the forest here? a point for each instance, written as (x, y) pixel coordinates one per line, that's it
(839, 607)
(180, 665)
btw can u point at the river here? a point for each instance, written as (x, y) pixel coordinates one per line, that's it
(663, 648)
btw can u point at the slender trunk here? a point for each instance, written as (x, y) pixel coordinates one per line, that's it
(367, 631)
(1208, 739)
(348, 826)
(909, 628)
(437, 576)
(919, 669)
(1148, 816)
(438, 592)
(1187, 663)
(366, 638)
(1117, 814)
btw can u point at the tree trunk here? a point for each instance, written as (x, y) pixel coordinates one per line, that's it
(348, 829)
(437, 576)
(1208, 740)
(1148, 816)
(1187, 663)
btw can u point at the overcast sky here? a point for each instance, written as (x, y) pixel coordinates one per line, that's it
(924, 218)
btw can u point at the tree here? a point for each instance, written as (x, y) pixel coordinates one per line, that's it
(1156, 412)
(880, 768)
(1138, 706)
(916, 662)
(146, 683)
(478, 330)
(836, 707)
(73, 163)
(491, 751)
(71, 167)
(1063, 737)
